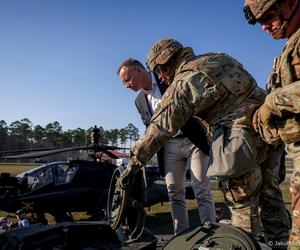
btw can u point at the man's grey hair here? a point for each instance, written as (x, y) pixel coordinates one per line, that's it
(130, 63)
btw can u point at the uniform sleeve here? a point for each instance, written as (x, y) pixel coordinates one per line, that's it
(182, 99)
(285, 99)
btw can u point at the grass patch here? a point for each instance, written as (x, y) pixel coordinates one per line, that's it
(16, 168)
(159, 220)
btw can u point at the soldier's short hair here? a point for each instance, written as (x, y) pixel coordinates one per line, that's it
(130, 62)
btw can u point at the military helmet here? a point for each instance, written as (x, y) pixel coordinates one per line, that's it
(254, 9)
(162, 51)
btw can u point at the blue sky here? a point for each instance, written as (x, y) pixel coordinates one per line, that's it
(58, 58)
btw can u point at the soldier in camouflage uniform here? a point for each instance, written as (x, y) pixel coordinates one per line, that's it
(178, 154)
(278, 118)
(216, 88)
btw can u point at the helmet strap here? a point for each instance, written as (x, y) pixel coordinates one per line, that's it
(172, 65)
(286, 21)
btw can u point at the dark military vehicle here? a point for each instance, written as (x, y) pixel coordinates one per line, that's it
(60, 188)
(124, 228)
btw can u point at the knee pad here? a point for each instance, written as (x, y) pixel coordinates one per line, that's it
(241, 191)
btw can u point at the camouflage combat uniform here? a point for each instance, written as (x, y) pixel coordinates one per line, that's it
(217, 88)
(284, 100)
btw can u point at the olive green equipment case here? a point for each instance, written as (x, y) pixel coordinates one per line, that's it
(214, 236)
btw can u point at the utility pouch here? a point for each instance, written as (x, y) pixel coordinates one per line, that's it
(233, 152)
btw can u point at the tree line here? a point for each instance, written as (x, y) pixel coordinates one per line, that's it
(22, 134)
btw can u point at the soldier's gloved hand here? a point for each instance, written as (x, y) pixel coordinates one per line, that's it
(262, 115)
(133, 167)
(265, 114)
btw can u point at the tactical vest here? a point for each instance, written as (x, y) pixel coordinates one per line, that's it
(223, 71)
(283, 74)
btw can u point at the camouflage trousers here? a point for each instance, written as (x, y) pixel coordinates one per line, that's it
(293, 151)
(263, 210)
